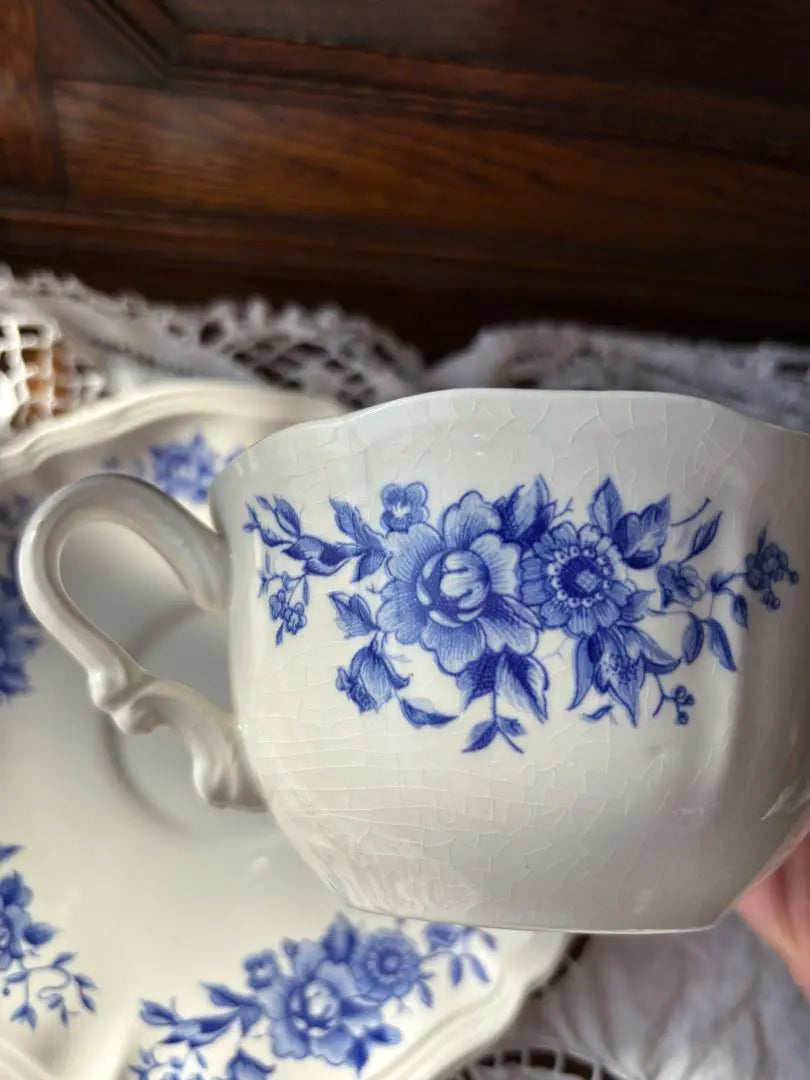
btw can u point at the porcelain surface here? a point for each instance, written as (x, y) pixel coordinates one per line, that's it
(531, 659)
(144, 934)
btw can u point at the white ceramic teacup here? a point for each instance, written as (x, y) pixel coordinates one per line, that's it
(534, 659)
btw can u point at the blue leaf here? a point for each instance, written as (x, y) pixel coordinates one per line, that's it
(87, 1001)
(62, 959)
(8, 850)
(527, 514)
(286, 517)
(606, 507)
(478, 968)
(249, 1016)
(17, 977)
(340, 940)
(83, 980)
(481, 736)
(704, 536)
(523, 680)
(719, 580)
(635, 607)
(478, 679)
(425, 993)
(244, 1067)
(456, 971)
(357, 1054)
(386, 1034)
(511, 725)
(369, 563)
(583, 671)
(39, 933)
(280, 634)
(422, 714)
(488, 939)
(347, 518)
(656, 659)
(223, 996)
(353, 614)
(264, 502)
(739, 610)
(692, 641)
(25, 1014)
(639, 537)
(597, 714)
(319, 557)
(719, 645)
(157, 1015)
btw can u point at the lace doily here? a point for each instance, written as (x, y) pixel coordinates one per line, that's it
(62, 344)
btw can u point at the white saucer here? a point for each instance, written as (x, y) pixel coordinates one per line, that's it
(190, 943)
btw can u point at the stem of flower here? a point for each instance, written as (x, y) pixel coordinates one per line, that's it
(697, 513)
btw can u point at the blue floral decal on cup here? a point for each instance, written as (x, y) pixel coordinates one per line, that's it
(20, 635)
(335, 999)
(32, 982)
(490, 588)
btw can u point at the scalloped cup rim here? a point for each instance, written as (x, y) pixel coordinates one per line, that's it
(361, 416)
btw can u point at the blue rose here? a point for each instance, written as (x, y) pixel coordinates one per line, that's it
(261, 969)
(15, 921)
(574, 580)
(679, 584)
(317, 1010)
(185, 470)
(371, 679)
(385, 965)
(403, 506)
(454, 589)
(443, 935)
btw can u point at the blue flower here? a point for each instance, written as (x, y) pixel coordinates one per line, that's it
(15, 896)
(403, 506)
(765, 568)
(371, 679)
(443, 935)
(295, 618)
(185, 469)
(454, 589)
(261, 969)
(617, 661)
(316, 1011)
(385, 965)
(679, 584)
(278, 604)
(573, 579)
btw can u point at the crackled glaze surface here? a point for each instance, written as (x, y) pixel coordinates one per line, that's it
(618, 814)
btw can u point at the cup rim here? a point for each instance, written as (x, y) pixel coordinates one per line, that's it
(360, 416)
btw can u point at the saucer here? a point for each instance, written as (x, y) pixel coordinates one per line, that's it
(144, 934)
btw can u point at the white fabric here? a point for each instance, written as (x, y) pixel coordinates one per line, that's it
(711, 1006)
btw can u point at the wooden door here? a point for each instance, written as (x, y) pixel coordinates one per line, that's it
(438, 163)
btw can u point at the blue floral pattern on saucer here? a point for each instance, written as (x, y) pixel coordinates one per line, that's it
(20, 635)
(30, 981)
(335, 999)
(483, 586)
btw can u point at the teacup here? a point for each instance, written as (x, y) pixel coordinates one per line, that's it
(515, 658)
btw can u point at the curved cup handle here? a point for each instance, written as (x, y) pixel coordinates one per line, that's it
(136, 700)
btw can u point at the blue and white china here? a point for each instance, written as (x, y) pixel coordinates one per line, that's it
(511, 658)
(144, 935)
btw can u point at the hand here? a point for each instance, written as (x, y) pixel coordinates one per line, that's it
(778, 909)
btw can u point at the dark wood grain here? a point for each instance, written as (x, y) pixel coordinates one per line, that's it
(439, 165)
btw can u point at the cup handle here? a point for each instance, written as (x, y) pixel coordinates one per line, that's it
(136, 700)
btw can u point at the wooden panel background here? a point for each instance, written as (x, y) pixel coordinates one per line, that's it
(437, 165)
